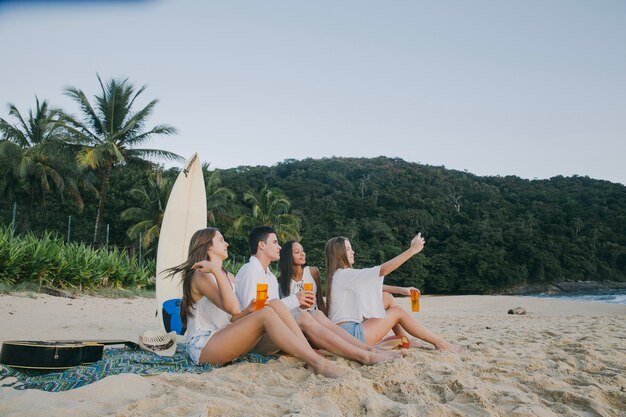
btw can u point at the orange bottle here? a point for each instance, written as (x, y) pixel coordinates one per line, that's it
(415, 301)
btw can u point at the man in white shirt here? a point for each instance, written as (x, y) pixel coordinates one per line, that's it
(264, 248)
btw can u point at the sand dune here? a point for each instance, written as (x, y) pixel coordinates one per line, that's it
(563, 358)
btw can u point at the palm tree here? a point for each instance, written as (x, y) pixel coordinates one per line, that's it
(270, 208)
(149, 213)
(108, 133)
(220, 200)
(32, 155)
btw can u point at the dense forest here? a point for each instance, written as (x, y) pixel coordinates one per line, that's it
(483, 234)
(84, 179)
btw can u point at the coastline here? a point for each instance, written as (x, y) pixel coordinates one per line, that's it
(562, 287)
(561, 358)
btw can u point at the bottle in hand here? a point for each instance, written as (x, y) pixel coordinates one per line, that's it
(415, 301)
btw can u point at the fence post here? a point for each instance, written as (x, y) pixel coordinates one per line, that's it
(14, 213)
(69, 227)
(139, 250)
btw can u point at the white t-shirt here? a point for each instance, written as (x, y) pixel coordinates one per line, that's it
(357, 294)
(253, 273)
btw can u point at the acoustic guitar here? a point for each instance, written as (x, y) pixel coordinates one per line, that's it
(54, 354)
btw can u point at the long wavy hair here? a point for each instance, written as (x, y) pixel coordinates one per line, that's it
(286, 267)
(336, 258)
(199, 246)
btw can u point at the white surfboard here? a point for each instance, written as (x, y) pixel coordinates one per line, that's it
(185, 213)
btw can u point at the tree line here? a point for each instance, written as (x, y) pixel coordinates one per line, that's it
(482, 234)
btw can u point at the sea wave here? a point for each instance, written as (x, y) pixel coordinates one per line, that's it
(604, 296)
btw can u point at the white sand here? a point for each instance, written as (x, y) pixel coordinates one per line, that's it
(563, 358)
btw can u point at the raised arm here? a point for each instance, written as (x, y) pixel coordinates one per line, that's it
(220, 291)
(417, 244)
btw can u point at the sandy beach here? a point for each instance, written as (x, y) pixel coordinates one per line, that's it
(563, 358)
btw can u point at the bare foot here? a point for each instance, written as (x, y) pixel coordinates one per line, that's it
(329, 369)
(396, 353)
(416, 344)
(448, 347)
(323, 353)
(380, 357)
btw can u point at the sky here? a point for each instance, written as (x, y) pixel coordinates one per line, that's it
(531, 88)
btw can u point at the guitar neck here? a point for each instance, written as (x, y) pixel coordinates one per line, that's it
(102, 342)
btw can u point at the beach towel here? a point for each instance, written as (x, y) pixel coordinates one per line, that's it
(114, 362)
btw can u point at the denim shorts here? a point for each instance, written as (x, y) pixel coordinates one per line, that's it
(355, 329)
(196, 343)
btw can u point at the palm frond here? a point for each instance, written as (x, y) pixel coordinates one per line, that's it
(79, 132)
(154, 154)
(137, 228)
(157, 130)
(133, 213)
(13, 111)
(13, 134)
(90, 157)
(84, 104)
(138, 119)
(137, 94)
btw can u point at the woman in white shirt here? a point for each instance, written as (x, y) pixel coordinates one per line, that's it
(355, 301)
(218, 331)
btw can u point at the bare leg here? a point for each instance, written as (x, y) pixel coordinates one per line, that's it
(321, 318)
(389, 302)
(376, 329)
(324, 321)
(287, 318)
(326, 339)
(241, 336)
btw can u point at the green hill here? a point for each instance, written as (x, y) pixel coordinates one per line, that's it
(482, 233)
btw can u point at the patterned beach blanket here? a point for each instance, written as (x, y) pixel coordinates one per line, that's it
(114, 362)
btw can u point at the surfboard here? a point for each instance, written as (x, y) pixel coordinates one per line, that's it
(185, 213)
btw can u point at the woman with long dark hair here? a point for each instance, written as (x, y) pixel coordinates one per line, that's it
(218, 331)
(354, 296)
(294, 273)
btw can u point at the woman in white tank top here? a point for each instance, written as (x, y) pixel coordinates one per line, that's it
(294, 274)
(218, 331)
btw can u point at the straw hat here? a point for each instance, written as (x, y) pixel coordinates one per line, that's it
(155, 341)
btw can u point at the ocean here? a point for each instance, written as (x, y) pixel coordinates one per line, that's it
(603, 296)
